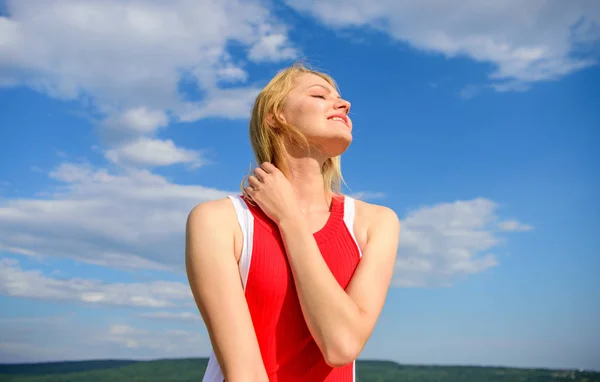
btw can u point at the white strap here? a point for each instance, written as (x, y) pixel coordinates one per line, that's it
(349, 213)
(246, 221)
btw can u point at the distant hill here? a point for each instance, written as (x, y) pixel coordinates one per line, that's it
(192, 369)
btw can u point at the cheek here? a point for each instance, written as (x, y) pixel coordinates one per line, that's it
(305, 115)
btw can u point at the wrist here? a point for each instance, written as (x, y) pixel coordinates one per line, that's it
(291, 220)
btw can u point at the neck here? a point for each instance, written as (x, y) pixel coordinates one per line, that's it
(305, 175)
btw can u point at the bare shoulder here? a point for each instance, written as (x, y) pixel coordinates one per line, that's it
(374, 218)
(213, 223)
(211, 212)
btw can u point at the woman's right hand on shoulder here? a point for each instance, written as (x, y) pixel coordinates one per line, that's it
(215, 282)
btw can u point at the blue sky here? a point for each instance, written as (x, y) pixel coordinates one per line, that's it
(476, 124)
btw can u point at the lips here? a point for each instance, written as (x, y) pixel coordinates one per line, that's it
(339, 117)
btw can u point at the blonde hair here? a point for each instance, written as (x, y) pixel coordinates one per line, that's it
(268, 132)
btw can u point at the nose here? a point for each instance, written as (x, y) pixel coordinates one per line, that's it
(342, 104)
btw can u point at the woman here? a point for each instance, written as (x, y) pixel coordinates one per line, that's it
(291, 276)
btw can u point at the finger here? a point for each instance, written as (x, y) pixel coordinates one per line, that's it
(268, 167)
(260, 174)
(254, 182)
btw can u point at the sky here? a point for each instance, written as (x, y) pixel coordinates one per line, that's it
(477, 122)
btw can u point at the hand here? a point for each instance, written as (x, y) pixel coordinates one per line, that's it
(273, 193)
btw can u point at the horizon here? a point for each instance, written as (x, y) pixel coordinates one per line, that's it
(476, 123)
(358, 360)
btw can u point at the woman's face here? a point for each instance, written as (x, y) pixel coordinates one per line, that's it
(315, 108)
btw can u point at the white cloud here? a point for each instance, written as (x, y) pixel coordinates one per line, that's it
(514, 226)
(138, 120)
(231, 73)
(166, 342)
(17, 282)
(137, 220)
(133, 219)
(153, 152)
(126, 54)
(224, 103)
(272, 47)
(17, 250)
(442, 243)
(368, 195)
(26, 339)
(172, 316)
(529, 41)
(127, 61)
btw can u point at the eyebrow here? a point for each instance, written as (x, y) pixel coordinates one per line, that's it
(324, 87)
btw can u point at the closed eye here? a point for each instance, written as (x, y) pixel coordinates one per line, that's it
(319, 96)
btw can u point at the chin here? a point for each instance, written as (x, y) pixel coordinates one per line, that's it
(336, 145)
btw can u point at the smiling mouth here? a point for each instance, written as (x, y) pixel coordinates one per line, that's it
(339, 119)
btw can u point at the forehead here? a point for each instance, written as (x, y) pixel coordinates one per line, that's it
(307, 80)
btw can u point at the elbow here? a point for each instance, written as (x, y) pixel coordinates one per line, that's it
(342, 352)
(338, 360)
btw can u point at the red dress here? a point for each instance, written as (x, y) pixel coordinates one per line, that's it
(288, 349)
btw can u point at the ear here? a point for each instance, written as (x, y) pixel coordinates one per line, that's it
(272, 122)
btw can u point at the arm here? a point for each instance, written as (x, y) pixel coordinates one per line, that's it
(215, 282)
(342, 321)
